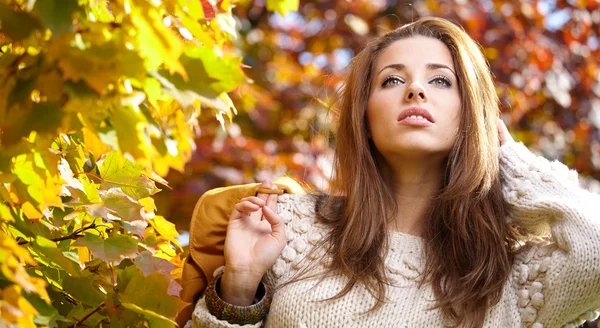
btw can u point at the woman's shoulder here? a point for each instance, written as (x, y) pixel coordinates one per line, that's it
(299, 213)
(289, 205)
(303, 232)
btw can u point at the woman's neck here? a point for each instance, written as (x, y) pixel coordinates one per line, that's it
(415, 188)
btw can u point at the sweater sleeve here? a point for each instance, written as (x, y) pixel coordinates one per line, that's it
(202, 318)
(557, 282)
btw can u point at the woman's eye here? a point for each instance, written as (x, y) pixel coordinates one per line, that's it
(392, 81)
(442, 81)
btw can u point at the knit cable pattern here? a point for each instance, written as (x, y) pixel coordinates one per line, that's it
(559, 274)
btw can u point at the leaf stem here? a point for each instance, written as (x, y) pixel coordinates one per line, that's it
(76, 234)
(89, 314)
(112, 277)
(90, 174)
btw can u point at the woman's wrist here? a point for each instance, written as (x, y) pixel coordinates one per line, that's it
(235, 314)
(238, 288)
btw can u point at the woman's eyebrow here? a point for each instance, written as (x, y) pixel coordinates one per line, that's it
(397, 67)
(430, 66)
(434, 66)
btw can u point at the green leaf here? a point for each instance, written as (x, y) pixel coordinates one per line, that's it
(18, 25)
(57, 15)
(282, 6)
(158, 43)
(121, 205)
(155, 304)
(48, 248)
(84, 289)
(112, 249)
(22, 90)
(117, 171)
(129, 124)
(96, 67)
(39, 304)
(48, 315)
(209, 76)
(125, 276)
(156, 320)
(44, 117)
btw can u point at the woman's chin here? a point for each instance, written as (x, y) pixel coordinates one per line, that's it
(417, 150)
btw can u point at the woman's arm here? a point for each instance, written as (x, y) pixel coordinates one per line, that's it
(557, 283)
(255, 237)
(212, 311)
(297, 213)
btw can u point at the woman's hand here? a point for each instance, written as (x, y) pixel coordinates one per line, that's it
(252, 245)
(503, 133)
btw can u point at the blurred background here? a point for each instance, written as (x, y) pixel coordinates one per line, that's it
(544, 56)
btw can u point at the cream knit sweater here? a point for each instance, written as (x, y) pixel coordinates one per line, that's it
(554, 283)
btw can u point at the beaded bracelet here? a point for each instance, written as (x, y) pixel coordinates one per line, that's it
(241, 315)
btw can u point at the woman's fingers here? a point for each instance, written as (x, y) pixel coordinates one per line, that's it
(265, 184)
(503, 133)
(272, 202)
(255, 200)
(252, 204)
(247, 206)
(277, 225)
(271, 199)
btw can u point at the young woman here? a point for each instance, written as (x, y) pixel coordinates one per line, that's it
(437, 217)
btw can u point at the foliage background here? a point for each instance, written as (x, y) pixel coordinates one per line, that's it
(104, 102)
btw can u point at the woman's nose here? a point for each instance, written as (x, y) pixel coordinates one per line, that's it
(415, 90)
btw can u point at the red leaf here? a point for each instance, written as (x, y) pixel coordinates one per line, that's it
(209, 11)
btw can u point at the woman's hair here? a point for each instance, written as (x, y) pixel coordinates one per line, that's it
(468, 244)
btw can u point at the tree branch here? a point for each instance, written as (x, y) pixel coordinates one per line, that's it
(76, 234)
(89, 314)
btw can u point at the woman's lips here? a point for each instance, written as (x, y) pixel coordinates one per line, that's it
(415, 121)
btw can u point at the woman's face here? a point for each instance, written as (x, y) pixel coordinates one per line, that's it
(414, 104)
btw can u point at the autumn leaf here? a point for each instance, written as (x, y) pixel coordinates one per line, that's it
(57, 15)
(209, 76)
(16, 309)
(47, 251)
(164, 228)
(17, 25)
(154, 304)
(157, 43)
(282, 6)
(112, 249)
(150, 264)
(130, 126)
(84, 289)
(117, 171)
(121, 205)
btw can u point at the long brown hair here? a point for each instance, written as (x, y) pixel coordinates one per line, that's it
(469, 246)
